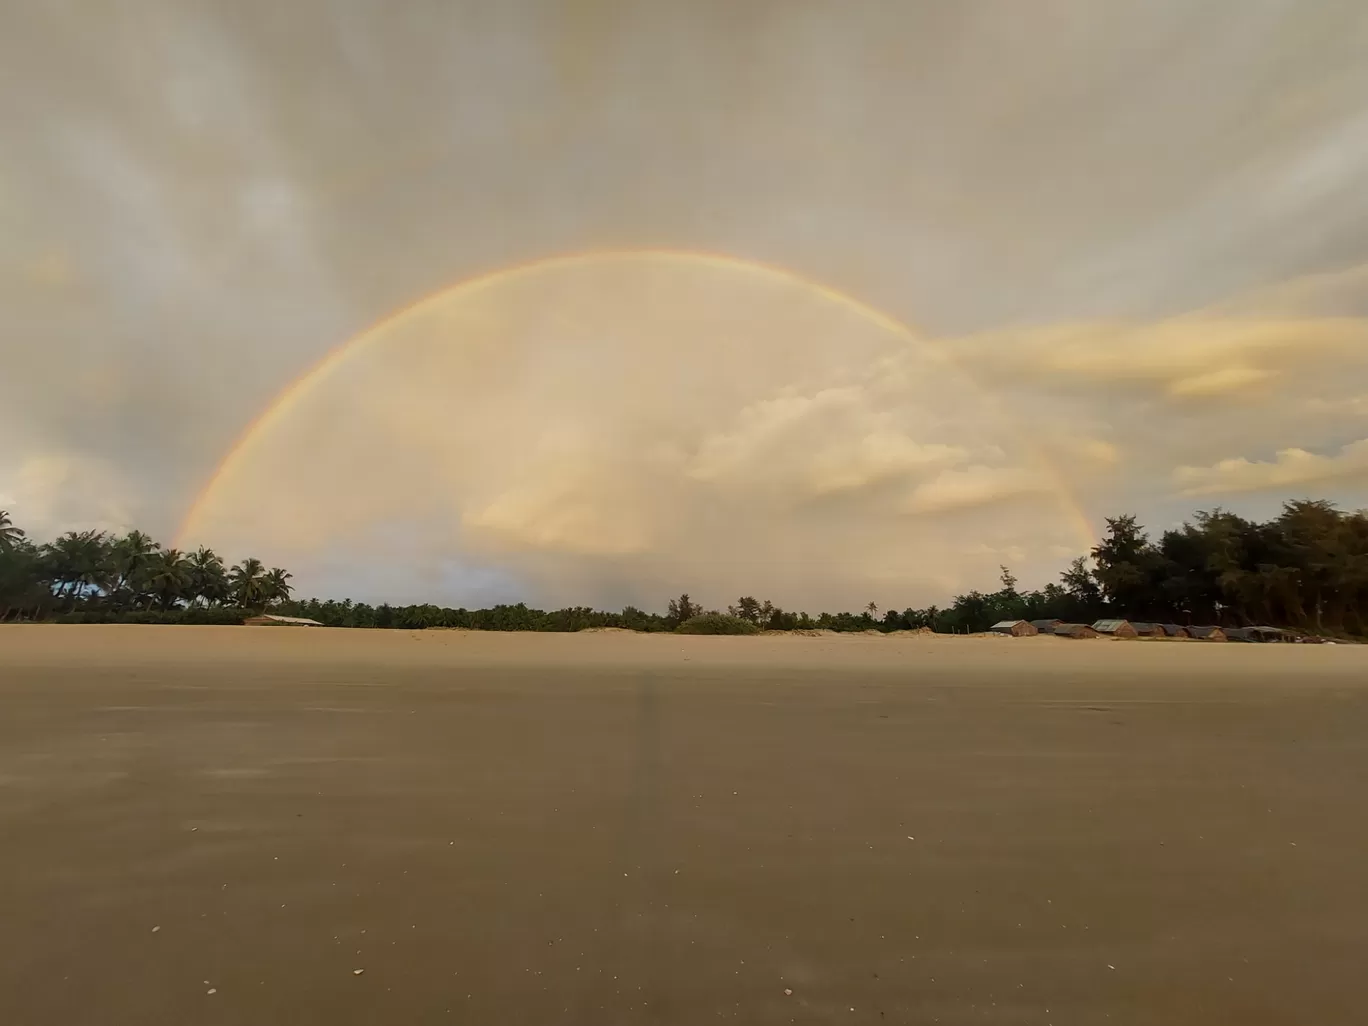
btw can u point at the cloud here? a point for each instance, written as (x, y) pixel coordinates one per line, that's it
(1291, 469)
(972, 487)
(835, 441)
(1184, 358)
(1223, 381)
(1121, 284)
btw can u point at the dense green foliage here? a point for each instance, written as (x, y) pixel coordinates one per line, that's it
(1307, 569)
(716, 623)
(93, 576)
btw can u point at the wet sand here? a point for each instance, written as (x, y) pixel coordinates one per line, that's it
(222, 825)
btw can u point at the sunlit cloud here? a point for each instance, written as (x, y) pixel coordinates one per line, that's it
(1189, 357)
(973, 486)
(1290, 469)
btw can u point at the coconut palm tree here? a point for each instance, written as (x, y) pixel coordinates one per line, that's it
(277, 587)
(78, 561)
(131, 556)
(208, 577)
(10, 536)
(169, 577)
(247, 584)
(24, 587)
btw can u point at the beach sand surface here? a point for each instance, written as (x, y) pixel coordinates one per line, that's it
(309, 826)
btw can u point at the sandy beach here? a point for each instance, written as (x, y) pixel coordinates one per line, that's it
(266, 825)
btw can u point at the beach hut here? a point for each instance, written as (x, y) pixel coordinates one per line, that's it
(1016, 628)
(1046, 626)
(1207, 633)
(269, 620)
(1270, 634)
(1148, 630)
(1073, 630)
(1173, 630)
(1245, 634)
(1115, 628)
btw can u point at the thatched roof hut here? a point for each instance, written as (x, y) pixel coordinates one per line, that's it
(1207, 633)
(1073, 630)
(1016, 628)
(1115, 628)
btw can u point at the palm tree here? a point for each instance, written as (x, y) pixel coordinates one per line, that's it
(169, 577)
(79, 561)
(10, 536)
(247, 584)
(24, 586)
(131, 556)
(208, 577)
(277, 588)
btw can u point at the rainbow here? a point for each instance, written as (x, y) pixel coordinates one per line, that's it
(281, 406)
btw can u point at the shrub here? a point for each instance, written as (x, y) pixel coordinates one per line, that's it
(716, 623)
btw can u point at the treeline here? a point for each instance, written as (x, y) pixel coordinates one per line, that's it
(94, 575)
(1306, 569)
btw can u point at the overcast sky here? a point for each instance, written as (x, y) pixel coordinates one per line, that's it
(1138, 228)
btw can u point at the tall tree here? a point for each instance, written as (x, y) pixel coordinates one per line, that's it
(79, 563)
(747, 608)
(1128, 567)
(169, 578)
(10, 536)
(130, 557)
(682, 609)
(277, 587)
(247, 584)
(208, 577)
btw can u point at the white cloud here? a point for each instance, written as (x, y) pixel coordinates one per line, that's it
(1190, 357)
(974, 486)
(838, 440)
(1289, 469)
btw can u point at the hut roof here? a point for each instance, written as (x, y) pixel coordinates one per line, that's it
(1109, 626)
(271, 620)
(1072, 629)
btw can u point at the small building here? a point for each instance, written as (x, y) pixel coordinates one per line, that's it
(1148, 630)
(1207, 633)
(271, 620)
(1245, 634)
(1046, 626)
(1016, 628)
(1073, 630)
(1271, 634)
(1173, 630)
(1115, 628)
